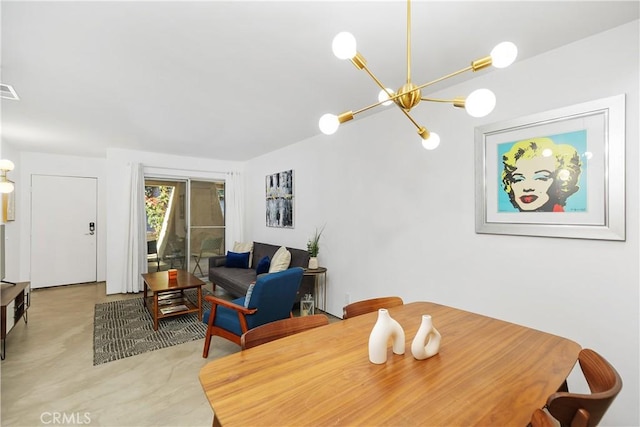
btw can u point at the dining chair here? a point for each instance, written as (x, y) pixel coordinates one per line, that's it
(271, 298)
(152, 253)
(540, 418)
(367, 306)
(280, 329)
(208, 247)
(582, 410)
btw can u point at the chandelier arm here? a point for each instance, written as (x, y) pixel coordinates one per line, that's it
(398, 95)
(408, 41)
(449, 101)
(409, 117)
(436, 100)
(368, 107)
(457, 102)
(448, 76)
(375, 79)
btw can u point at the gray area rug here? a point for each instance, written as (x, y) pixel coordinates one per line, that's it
(125, 328)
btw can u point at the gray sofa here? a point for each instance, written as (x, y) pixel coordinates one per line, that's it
(236, 281)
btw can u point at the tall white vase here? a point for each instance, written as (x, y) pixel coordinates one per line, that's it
(427, 340)
(385, 328)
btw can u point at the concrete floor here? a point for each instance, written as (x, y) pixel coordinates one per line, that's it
(48, 377)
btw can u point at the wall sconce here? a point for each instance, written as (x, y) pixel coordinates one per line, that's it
(6, 186)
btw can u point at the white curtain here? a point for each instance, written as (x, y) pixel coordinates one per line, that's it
(234, 200)
(136, 243)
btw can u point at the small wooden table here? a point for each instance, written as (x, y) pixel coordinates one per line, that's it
(488, 373)
(167, 296)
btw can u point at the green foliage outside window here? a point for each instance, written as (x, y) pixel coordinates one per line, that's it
(156, 202)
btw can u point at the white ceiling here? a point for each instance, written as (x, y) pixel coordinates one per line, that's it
(234, 79)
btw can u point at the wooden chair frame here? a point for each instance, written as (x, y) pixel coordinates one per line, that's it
(214, 330)
(280, 329)
(582, 410)
(367, 306)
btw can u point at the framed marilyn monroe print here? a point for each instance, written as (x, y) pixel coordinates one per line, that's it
(559, 173)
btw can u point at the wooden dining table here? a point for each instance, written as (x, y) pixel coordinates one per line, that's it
(488, 372)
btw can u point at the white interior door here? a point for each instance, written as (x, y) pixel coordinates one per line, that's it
(63, 246)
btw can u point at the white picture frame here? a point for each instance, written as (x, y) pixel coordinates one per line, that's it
(595, 130)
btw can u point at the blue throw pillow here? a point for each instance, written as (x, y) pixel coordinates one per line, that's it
(263, 265)
(237, 260)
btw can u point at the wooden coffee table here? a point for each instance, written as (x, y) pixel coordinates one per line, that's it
(167, 296)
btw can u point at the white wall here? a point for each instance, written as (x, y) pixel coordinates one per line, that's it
(29, 164)
(400, 220)
(118, 191)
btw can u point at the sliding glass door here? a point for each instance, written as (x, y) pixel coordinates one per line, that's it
(167, 239)
(185, 223)
(207, 224)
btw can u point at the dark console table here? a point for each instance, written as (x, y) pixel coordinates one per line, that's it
(16, 299)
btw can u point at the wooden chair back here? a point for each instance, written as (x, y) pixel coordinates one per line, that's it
(280, 329)
(367, 306)
(585, 410)
(540, 418)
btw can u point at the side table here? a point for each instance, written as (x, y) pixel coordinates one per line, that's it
(16, 299)
(317, 273)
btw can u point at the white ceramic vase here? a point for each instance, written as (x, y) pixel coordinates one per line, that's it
(427, 340)
(385, 328)
(313, 263)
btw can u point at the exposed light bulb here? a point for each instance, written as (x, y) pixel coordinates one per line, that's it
(6, 186)
(6, 165)
(383, 97)
(432, 142)
(480, 103)
(504, 54)
(344, 45)
(328, 124)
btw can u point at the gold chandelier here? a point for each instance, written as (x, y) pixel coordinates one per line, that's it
(478, 104)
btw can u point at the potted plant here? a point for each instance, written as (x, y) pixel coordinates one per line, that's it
(313, 246)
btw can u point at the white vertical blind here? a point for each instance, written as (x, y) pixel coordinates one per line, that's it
(234, 203)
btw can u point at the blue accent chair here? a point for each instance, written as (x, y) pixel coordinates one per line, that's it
(271, 298)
